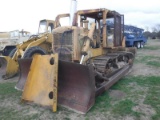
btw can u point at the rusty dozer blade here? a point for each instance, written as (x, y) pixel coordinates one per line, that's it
(41, 83)
(24, 66)
(8, 67)
(76, 86)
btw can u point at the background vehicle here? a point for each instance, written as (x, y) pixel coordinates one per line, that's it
(37, 44)
(134, 36)
(9, 41)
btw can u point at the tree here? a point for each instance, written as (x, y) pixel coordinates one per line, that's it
(154, 29)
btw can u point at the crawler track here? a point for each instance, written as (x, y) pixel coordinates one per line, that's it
(110, 68)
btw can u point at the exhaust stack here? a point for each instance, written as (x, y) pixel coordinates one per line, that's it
(73, 10)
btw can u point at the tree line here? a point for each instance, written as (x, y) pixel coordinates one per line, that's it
(154, 34)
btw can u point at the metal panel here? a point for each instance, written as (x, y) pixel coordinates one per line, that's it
(8, 67)
(3, 65)
(76, 86)
(24, 66)
(117, 30)
(63, 45)
(41, 84)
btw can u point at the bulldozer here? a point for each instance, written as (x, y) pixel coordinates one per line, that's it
(36, 44)
(83, 65)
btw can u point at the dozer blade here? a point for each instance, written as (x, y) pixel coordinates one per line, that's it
(76, 86)
(8, 67)
(41, 83)
(24, 66)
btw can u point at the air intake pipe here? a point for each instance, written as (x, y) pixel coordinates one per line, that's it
(73, 10)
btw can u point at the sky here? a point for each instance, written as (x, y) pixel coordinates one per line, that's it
(26, 14)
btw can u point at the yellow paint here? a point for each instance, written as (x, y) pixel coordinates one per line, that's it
(42, 81)
(123, 42)
(37, 42)
(55, 84)
(11, 66)
(96, 52)
(93, 52)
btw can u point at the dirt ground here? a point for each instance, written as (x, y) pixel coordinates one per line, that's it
(12, 108)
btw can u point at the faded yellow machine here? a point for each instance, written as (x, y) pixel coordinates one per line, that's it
(36, 44)
(9, 40)
(88, 59)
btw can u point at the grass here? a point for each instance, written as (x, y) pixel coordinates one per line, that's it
(124, 108)
(149, 60)
(152, 47)
(153, 99)
(103, 104)
(154, 63)
(7, 90)
(12, 96)
(146, 58)
(140, 80)
(11, 114)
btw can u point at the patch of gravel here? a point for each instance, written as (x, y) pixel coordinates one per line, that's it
(142, 117)
(116, 94)
(146, 109)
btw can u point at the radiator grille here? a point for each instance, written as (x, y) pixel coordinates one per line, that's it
(63, 45)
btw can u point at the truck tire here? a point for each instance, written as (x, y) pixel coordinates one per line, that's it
(12, 52)
(34, 50)
(138, 45)
(142, 44)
